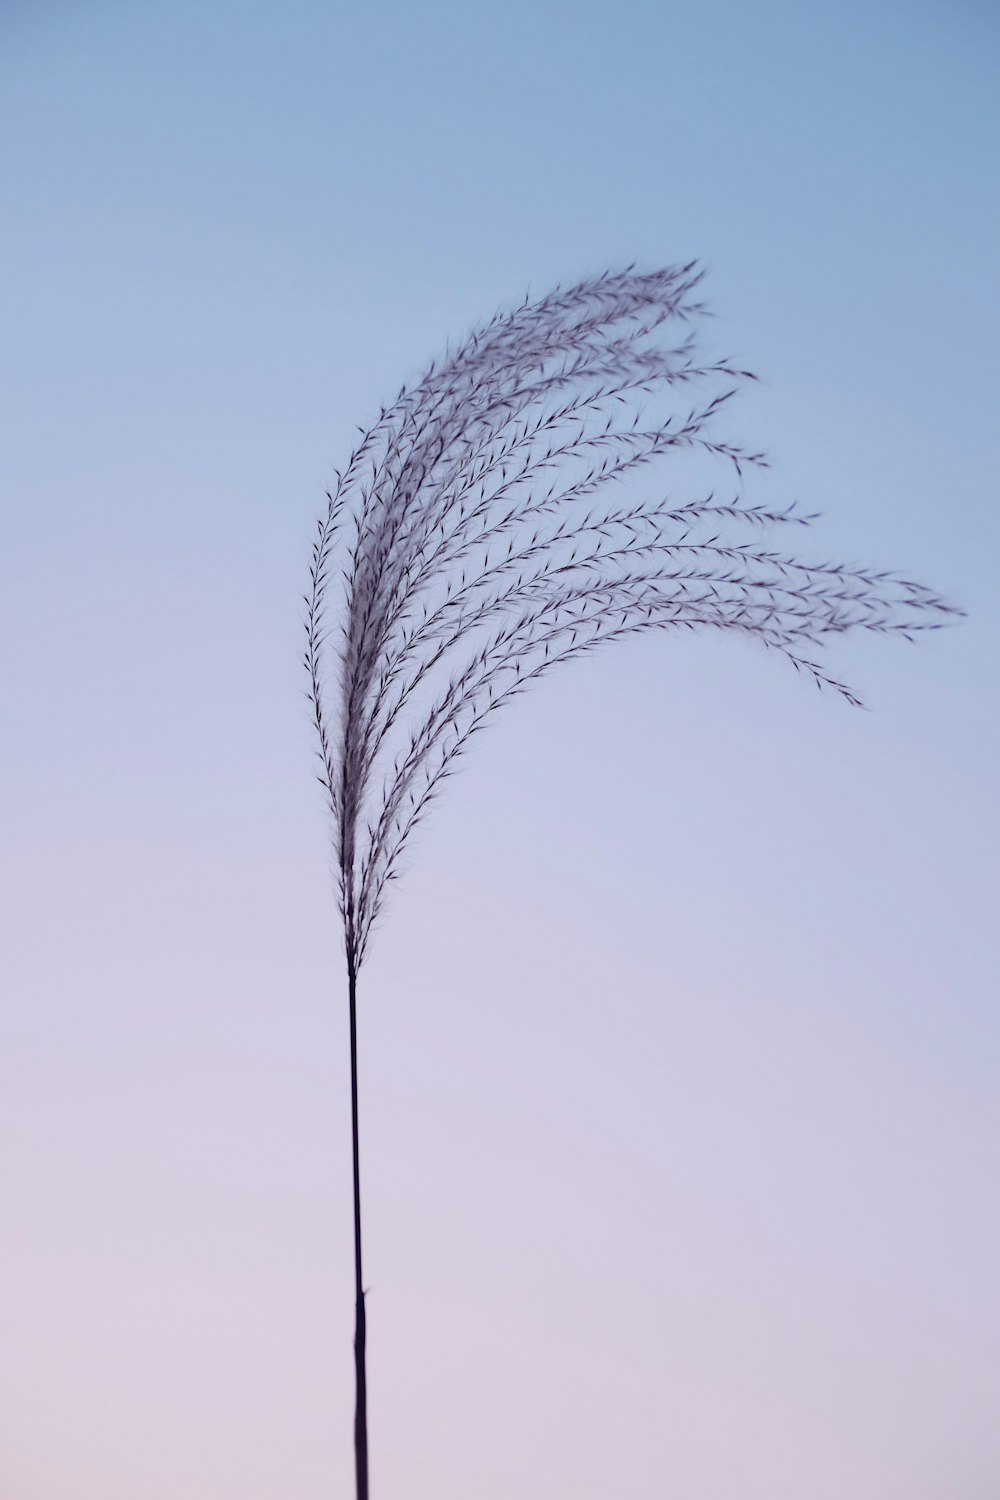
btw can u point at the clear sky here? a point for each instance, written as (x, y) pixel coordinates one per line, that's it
(679, 1039)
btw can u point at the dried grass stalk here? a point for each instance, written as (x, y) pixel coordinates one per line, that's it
(505, 515)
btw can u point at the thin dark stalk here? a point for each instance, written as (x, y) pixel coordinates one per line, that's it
(361, 1382)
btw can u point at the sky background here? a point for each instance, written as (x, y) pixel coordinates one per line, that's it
(679, 1040)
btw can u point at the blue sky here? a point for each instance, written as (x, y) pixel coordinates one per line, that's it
(750, 934)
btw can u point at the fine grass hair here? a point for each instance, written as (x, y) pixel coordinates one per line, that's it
(507, 514)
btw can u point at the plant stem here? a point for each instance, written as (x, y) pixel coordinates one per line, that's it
(361, 1408)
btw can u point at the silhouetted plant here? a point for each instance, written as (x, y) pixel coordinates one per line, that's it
(486, 529)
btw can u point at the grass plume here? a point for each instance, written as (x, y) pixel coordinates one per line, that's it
(507, 514)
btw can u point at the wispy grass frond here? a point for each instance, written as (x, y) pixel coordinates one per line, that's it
(507, 514)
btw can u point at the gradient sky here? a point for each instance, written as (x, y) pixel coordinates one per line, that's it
(680, 1039)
